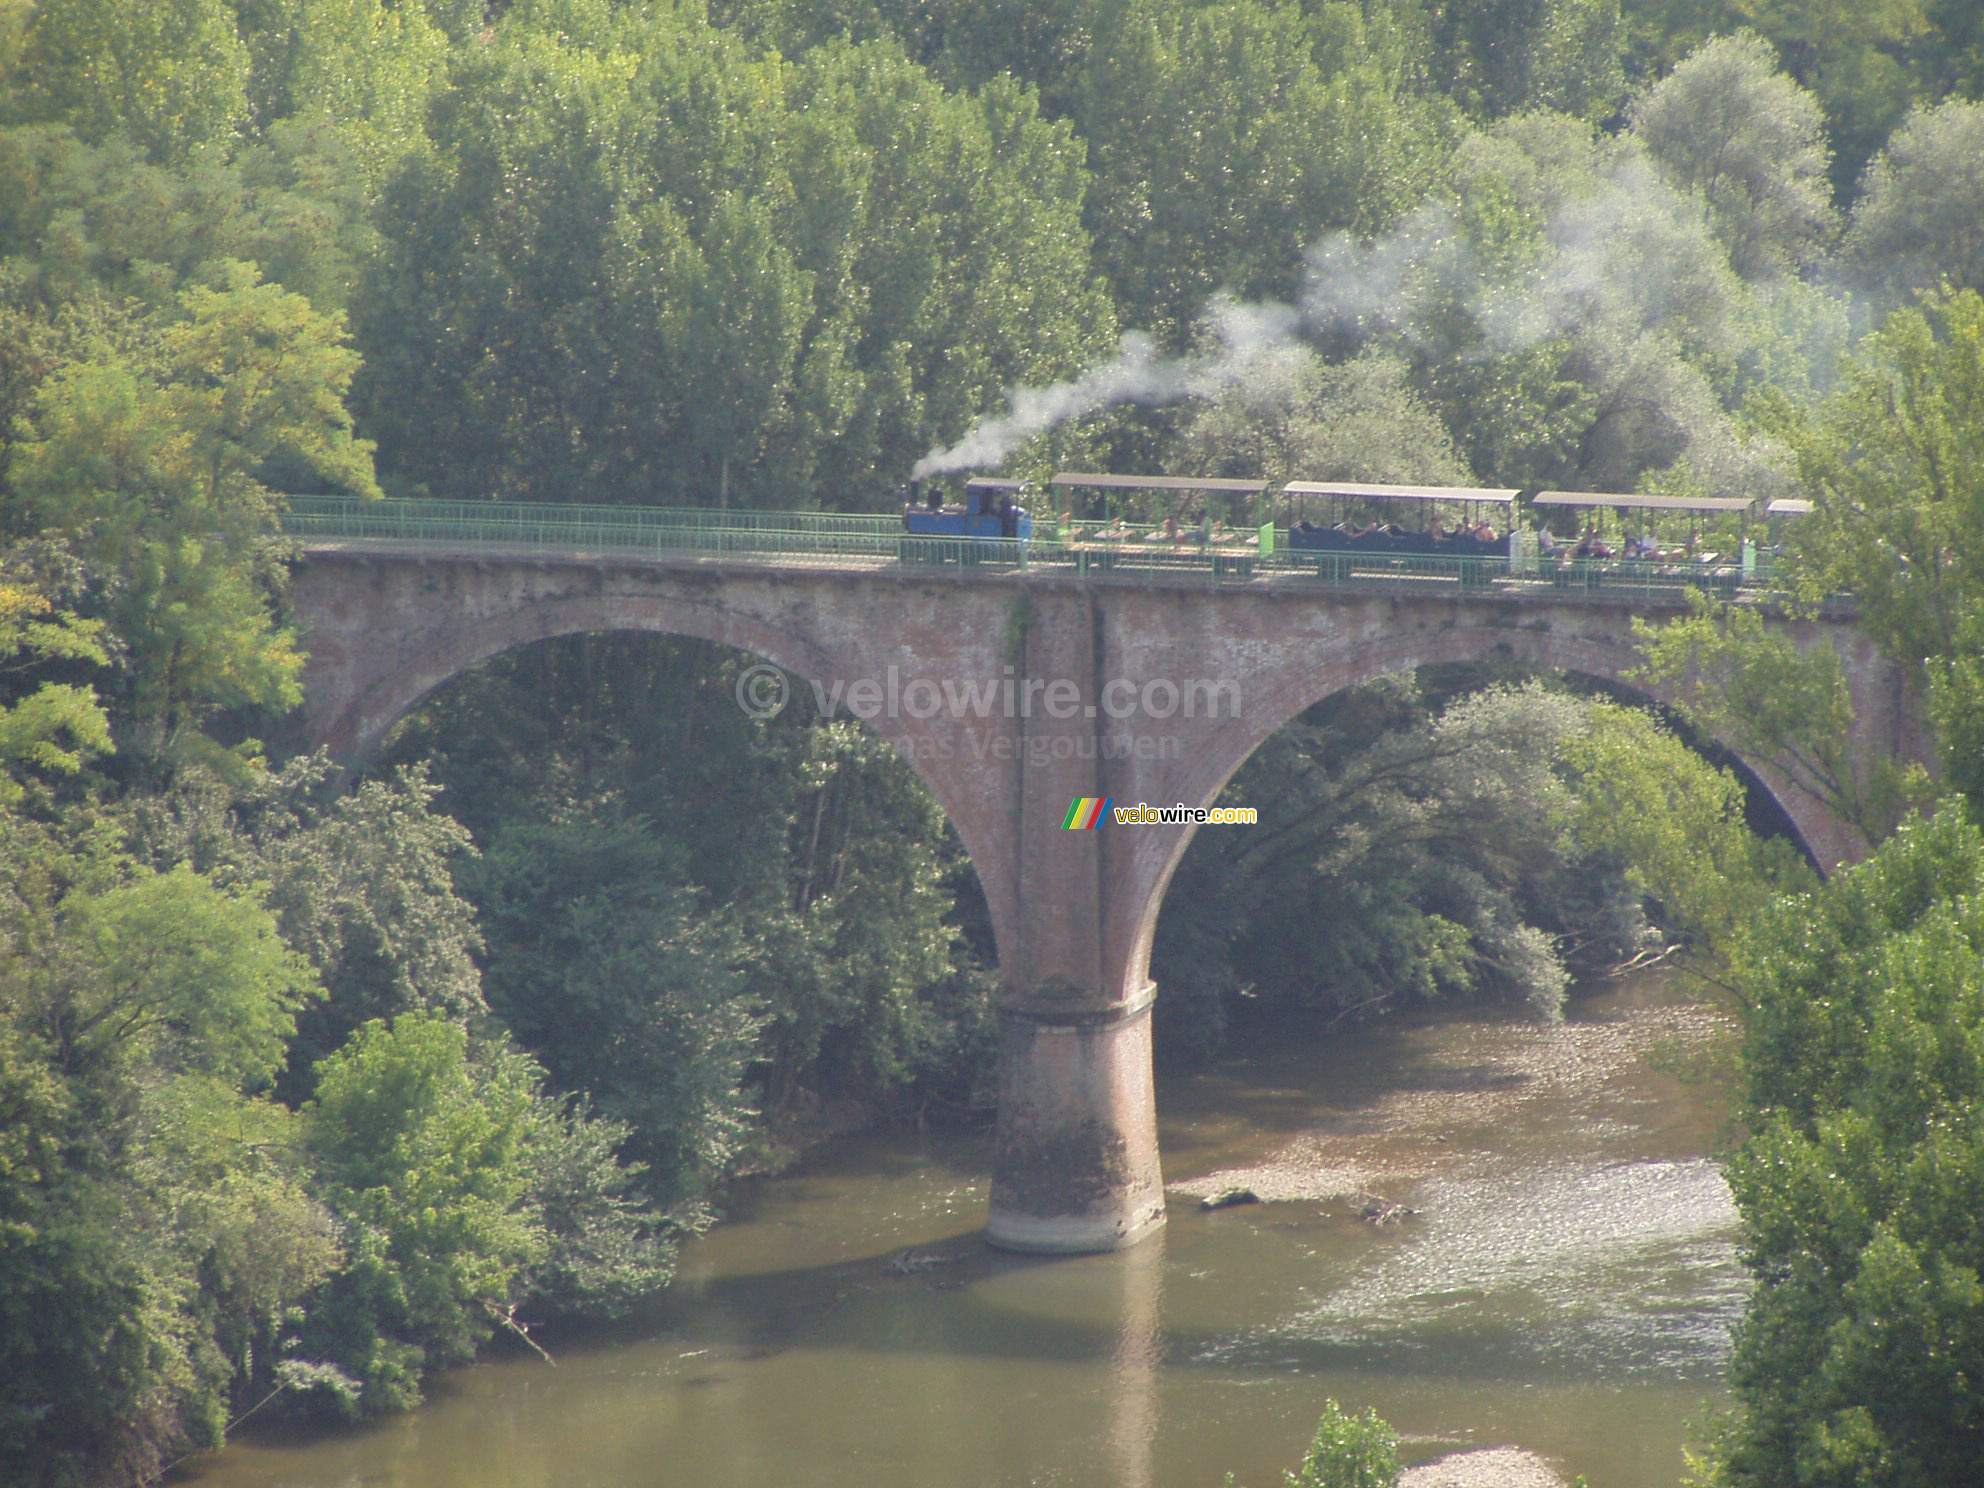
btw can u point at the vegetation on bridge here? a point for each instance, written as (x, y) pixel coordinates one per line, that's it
(309, 1086)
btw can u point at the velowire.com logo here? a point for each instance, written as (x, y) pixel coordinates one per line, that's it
(1089, 812)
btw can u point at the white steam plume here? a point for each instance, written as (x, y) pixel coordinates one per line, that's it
(1630, 279)
(1244, 336)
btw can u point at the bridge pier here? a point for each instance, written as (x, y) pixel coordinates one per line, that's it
(1075, 1165)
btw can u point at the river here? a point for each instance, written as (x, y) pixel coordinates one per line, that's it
(1564, 1284)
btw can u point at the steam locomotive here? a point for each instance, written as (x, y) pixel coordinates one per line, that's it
(990, 510)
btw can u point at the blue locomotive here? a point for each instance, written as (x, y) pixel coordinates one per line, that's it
(991, 510)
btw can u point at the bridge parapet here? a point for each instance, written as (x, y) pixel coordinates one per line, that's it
(1130, 554)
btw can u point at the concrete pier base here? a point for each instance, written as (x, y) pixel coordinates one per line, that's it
(1075, 1166)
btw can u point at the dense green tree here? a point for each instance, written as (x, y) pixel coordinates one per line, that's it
(145, 452)
(800, 852)
(1891, 460)
(709, 275)
(1431, 842)
(49, 728)
(364, 69)
(1916, 226)
(1751, 689)
(844, 959)
(1224, 140)
(1858, 1360)
(153, 1226)
(83, 221)
(1508, 55)
(171, 75)
(425, 1158)
(1349, 1452)
(605, 963)
(1854, 54)
(1646, 801)
(1948, 54)
(361, 880)
(1299, 418)
(1727, 126)
(167, 969)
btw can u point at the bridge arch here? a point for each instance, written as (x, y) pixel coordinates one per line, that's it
(355, 694)
(1283, 694)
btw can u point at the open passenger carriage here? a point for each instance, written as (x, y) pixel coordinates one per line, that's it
(1462, 532)
(1647, 541)
(1207, 518)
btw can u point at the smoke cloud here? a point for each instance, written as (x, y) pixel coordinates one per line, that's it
(1631, 280)
(1242, 336)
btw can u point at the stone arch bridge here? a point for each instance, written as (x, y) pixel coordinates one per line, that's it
(1013, 694)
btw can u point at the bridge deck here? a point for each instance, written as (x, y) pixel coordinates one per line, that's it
(875, 544)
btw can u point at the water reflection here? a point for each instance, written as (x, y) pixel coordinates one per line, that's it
(1134, 1362)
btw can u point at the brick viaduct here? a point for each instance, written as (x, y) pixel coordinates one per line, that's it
(1110, 696)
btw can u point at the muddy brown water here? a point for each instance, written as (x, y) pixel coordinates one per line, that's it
(1565, 1285)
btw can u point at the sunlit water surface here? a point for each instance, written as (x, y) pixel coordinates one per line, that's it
(1565, 1284)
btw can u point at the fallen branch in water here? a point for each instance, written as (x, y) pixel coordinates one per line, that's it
(1643, 960)
(507, 1316)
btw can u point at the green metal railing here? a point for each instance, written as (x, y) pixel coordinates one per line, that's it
(1121, 552)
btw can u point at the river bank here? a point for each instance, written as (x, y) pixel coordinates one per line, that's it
(1563, 1288)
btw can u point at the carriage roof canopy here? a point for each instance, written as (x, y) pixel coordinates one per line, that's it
(1644, 503)
(1158, 482)
(1398, 493)
(1788, 506)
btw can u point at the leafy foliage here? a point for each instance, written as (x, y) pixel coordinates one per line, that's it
(1349, 1452)
(602, 962)
(1860, 1183)
(1411, 851)
(1915, 228)
(1648, 802)
(1727, 125)
(1891, 460)
(1751, 689)
(425, 1158)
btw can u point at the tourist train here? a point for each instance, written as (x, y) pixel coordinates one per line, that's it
(1346, 530)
